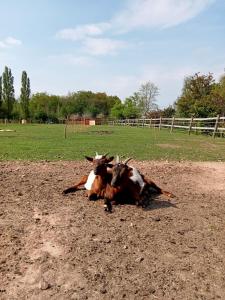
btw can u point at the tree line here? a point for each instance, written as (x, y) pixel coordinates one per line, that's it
(7, 95)
(201, 96)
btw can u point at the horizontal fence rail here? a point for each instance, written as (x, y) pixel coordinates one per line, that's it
(214, 126)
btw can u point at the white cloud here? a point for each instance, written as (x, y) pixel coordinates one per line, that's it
(10, 42)
(88, 36)
(102, 46)
(160, 13)
(83, 31)
(136, 14)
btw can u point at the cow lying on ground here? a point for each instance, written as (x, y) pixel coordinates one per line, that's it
(128, 183)
(117, 183)
(93, 185)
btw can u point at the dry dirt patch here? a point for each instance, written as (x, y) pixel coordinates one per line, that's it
(65, 247)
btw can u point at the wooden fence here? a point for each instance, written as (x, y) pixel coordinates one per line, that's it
(213, 126)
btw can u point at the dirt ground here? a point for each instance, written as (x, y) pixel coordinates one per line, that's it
(66, 247)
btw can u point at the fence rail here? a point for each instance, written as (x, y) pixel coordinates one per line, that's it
(214, 126)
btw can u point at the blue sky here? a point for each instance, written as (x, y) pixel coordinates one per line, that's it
(112, 46)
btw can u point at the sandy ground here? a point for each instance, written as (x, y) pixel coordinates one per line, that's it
(66, 247)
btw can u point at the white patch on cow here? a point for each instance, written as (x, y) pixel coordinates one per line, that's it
(90, 180)
(91, 176)
(137, 178)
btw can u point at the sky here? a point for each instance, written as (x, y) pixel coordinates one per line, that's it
(112, 46)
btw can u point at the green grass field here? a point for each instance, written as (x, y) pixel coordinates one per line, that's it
(47, 142)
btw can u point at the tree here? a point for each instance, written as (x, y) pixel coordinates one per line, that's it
(143, 101)
(8, 91)
(25, 95)
(218, 96)
(1, 109)
(198, 86)
(87, 103)
(147, 97)
(168, 112)
(98, 105)
(131, 110)
(0, 91)
(44, 107)
(102, 104)
(16, 112)
(117, 111)
(135, 98)
(196, 98)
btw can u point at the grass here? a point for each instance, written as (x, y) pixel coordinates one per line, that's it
(47, 142)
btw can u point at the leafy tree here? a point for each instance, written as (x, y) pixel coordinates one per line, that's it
(111, 101)
(16, 112)
(8, 91)
(117, 111)
(66, 108)
(168, 112)
(98, 105)
(44, 107)
(135, 98)
(87, 103)
(198, 86)
(0, 91)
(185, 106)
(1, 109)
(218, 96)
(196, 97)
(130, 109)
(25, 95)
(101, 104)
(76, 103)
(83, 100)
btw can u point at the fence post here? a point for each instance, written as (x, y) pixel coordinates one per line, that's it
(65, 131)
(150, 123)
(222, 125)
(172, 124)
(160, 123)
(190, 125)
(216, 125)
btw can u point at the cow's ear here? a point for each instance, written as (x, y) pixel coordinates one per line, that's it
(89, 158)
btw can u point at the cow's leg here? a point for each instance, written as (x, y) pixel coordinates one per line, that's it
(75, 187)
(156, 189)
